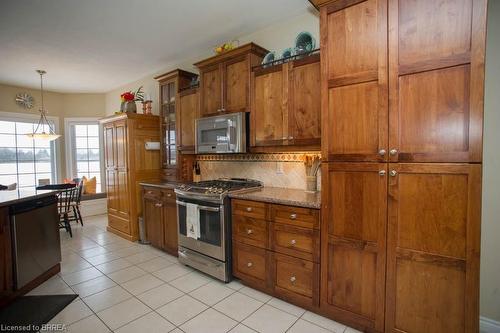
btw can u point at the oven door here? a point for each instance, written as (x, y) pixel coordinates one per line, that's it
(212, 229)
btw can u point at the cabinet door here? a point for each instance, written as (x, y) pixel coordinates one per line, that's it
(210, 90)
(153, 219)
(188, 112)
(236, 85)
(269, 124)
(304, 110)
(436, 75)
(433, 248)
(170, 222)
(354, 80)
(354, 243)
(6, 278)
(109, 152)
(121, 170)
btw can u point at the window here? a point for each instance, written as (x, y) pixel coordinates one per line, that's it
(24, 160)
(85, 151)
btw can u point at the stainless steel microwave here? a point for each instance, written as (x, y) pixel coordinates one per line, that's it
(224, 134)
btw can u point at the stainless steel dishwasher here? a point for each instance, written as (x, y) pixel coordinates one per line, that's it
(35, 238)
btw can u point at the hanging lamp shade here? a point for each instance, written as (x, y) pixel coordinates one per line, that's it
(43, 124)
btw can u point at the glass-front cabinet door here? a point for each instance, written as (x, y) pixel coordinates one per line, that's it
(168, 116)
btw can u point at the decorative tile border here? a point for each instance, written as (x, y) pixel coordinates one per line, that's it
(277, 157)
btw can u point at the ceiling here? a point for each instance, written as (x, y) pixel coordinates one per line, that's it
(99, 45)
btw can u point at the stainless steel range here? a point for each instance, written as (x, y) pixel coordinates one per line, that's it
(204, 221)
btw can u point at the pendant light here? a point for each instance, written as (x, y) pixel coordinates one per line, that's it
(43, 123)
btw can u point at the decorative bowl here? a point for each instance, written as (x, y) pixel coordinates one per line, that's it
(304, 42)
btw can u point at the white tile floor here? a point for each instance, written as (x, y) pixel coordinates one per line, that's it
(127, 287)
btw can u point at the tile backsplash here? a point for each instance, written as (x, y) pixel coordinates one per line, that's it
(293, 175)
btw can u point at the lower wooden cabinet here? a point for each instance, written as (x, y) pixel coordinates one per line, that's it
(6, 277)
(279, 258)
(160, 218)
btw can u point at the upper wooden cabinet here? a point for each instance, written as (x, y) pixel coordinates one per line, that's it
(429, 63)
(225, 80)
(189, 111)
(436, 75)
(171, 84)
(433, 248)
(286, 104)
(127, 163)
(354, 88)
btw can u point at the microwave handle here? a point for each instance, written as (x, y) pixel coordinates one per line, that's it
(231, 134)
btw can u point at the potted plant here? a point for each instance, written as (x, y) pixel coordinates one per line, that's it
(129, 98)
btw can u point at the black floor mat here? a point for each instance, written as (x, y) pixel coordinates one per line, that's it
(29, 313)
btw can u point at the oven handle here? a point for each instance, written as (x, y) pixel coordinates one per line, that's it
(210, 209)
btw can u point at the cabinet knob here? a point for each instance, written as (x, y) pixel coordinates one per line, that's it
(150, 192)
(381, 172)
(293, 216)
(158, 204)
(393, 173)
(249, 231)
(249, 264)
(290, 138)
(393, 152)
(169, 195)
(249, 209)
(293, 242)
(292, 279)
(381, 152)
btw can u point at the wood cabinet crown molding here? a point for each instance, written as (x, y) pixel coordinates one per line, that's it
(173, 74)
(236, 52)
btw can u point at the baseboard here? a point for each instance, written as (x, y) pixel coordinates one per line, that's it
(94, 207)
(487, 325)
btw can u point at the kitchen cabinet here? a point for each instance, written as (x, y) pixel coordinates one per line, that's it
(160, 218)
(6, 278)
(286, 105)
(189, 111)
(433, 247)
(171, 84)
(127, 163)
(276, 250)
(354, 242)
(225, 80)
(402, 108)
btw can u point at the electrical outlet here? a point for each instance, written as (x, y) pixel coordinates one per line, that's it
(279, 168)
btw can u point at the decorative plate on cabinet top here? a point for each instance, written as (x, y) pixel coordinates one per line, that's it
(304, 43)
(25, 100)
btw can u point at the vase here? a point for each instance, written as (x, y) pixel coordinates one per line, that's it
(130, 106)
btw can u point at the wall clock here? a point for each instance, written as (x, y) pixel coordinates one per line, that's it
(25, 100)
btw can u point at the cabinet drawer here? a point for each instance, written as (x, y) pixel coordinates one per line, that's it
(250, 231)
(119, 224)
(297, 216)
(295, 276)
(249, 261)
(295, 241)
(249, 208)
(152, 193)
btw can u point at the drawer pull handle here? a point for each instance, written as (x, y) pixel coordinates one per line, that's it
(293, 242)
(292, 279)
(293, 216)
(249, 231)
(249, 264)
(150, 192)
(249, 209)
(158, 204)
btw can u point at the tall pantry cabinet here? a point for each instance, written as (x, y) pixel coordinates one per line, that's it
(402, 104)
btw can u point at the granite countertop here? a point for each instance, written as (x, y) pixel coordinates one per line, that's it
(16, 196)
(283, 196)
(164, 184)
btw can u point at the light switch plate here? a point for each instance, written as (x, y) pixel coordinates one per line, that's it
(279, 168)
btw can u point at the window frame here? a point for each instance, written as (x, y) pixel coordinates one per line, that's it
(71, 146)
(55, 145)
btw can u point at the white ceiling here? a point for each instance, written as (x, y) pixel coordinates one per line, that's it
(98, 45)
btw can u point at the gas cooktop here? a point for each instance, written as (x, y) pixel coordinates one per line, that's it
(218, 187)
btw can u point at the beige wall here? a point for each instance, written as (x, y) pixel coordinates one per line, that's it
(275, 37)
(490, 233)
(58, 105)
